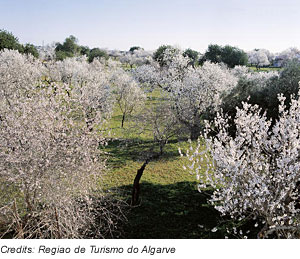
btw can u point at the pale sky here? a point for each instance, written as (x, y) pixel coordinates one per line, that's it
(121, 24)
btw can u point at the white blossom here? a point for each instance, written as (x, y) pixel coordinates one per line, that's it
(257, 170)
(49, 146)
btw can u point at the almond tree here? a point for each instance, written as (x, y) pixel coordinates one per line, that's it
(255, 174)
(136, 57)
(193, 91)
(89, 81)
(288, 55)
(160, 121)
(50, 161)
(260, 57)
(128, 95)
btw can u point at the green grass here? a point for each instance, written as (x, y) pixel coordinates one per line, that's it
(265, 69)
(170, 204)
(171, 211)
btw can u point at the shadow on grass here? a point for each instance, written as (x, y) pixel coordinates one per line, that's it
(124, 150)
(171, 211)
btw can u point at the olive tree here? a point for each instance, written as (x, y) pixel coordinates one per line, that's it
(231, 56)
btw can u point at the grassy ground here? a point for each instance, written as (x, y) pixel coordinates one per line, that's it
(170, 204)
(265, 69)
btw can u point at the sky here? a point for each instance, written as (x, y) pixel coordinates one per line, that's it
(121, 24)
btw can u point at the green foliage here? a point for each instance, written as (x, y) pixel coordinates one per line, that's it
(61, 55)
(70, 45)
(9, 41)
(193, 55)
(287, 84)
(213, 54)
(265, 97)
(97, 53)
(229, 55)
(233, 56)
(132, 49)
(31, 49)
(69, 48)
(84, 50)
(158, 55)
(245, 91)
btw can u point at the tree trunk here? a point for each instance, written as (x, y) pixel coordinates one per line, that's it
(195, 132)
(161, 149)
(123, 119)
(162, 144)
(136, 184)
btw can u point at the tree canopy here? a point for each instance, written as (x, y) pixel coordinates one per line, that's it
(158, 55)
(97, 53)
(231, 56)
(9, 41)
(132, 49)
(69, 48)
(193, 55)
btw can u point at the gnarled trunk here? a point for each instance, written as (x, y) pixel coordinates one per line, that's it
(136, 184)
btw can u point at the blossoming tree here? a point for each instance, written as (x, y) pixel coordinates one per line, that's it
(256, 173)
(127, 93)
(50, 160)
(192, 90)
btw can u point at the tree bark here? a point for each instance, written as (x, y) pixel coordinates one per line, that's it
(161, 149)
(123, 119)
(136, 184)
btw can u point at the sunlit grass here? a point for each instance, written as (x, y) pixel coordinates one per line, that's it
(170, 204)
(265, 69)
